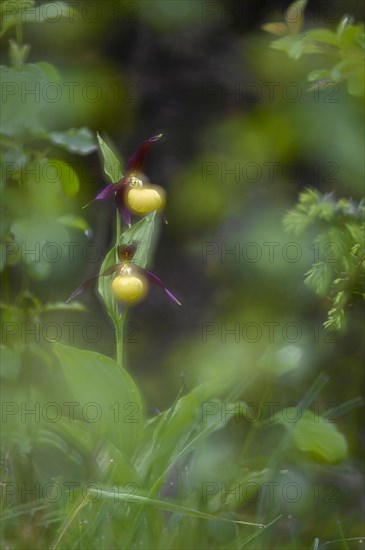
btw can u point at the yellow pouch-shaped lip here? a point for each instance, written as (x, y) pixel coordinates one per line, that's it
(146, 199)
(129, 286)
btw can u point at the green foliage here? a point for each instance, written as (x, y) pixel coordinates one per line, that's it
(338, 270)
(112, 165)
(339, 247)
(81, 141)
(16, 12)
(21, 113)
(36, 183)
(315, 435)
(178, 428)
(346, 43)
(98, 379)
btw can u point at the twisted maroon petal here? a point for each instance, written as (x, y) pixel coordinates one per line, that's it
(106, 192)
(87, 283)
(134, 164)
(121, 205)
(155, 280)
(111, 188)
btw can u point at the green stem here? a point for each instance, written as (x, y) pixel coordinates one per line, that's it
(19, 33)
(117, 233)
(120, 337)
(119, 327)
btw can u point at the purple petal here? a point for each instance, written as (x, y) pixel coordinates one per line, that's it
(154, 279)
(122, 209)
(106, 192)
(87, 283)
(127, 217)
(81, 289)
(134, 164)
(110, 189)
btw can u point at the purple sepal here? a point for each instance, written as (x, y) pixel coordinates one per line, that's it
(86, 284)
(134, 164)
(106, 192)
(81, 289)
(155, 280)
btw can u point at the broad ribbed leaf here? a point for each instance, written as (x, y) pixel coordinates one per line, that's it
(106, 396)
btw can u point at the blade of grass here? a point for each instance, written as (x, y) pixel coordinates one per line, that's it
(77, 510)
(344, 408)
(167, 506)
(244, 541)
(304, 403)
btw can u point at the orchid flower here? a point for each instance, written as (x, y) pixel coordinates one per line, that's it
(132, 196)
(130, 285)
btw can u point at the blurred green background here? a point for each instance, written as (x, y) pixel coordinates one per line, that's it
(242, 137)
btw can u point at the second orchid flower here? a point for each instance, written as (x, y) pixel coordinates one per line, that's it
(130, 285)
